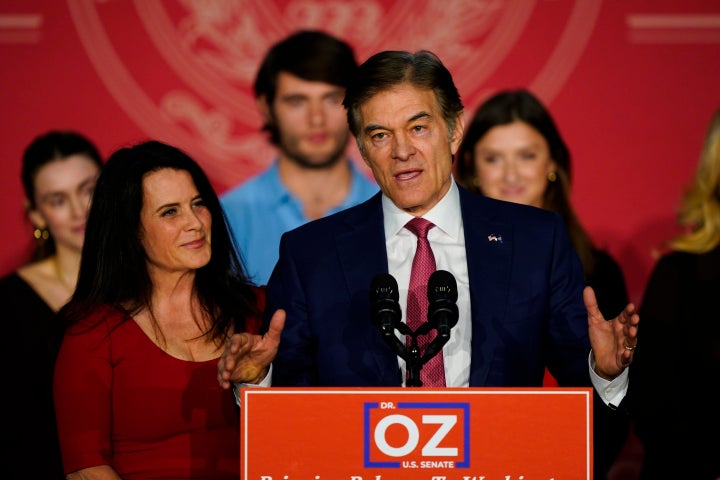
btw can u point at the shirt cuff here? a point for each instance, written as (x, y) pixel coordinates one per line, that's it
(612, 392)
(266, 382)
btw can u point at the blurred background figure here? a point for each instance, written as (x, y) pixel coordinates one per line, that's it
(59, 171)
(513, 151)
(159, 292)
(681, 436)
(299, 90)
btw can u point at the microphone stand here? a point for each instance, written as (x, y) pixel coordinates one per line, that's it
(442, 316)
(412, 356)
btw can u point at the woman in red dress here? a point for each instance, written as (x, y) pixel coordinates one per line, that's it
(159, 293)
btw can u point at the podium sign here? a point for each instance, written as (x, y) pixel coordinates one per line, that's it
(416, 433)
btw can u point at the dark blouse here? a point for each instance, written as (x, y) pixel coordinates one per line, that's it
(608, 283)
(675, 375)
(31, 337)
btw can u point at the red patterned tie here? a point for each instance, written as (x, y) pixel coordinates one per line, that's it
(432, 374)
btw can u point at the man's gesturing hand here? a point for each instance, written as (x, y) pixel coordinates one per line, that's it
(247, 357)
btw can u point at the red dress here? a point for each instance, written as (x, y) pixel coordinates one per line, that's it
(122, 401)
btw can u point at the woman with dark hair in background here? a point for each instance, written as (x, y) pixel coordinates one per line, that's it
(513, 151)
(160, 291)
(59, 171)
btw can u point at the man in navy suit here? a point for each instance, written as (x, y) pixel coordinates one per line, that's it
(521, 297)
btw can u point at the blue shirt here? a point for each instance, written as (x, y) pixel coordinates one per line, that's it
(261, 209)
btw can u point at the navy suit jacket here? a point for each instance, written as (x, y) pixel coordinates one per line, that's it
(525, 293)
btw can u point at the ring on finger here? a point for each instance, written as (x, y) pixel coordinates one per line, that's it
(628, 347)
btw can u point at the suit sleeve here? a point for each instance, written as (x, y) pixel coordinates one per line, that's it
(569, 341)
(294, 363)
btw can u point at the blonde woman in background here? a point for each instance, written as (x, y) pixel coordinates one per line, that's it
(59, 171)
(681, 316)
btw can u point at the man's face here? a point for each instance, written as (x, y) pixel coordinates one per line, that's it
(406, 143)
(310, 119)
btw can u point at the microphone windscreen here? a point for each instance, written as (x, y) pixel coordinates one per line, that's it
(442, 285)
(384, 287)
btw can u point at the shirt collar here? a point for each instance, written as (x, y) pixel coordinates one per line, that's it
(276, 189)
(445, 215)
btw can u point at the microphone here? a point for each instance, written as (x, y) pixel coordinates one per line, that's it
(442, 309)
(384, 305)
(385, 312)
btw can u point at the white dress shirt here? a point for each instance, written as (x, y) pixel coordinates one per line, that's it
(447, 240)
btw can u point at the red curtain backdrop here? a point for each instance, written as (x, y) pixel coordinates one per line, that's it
(632, 86)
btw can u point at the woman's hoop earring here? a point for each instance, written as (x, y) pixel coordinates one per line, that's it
(551, 176)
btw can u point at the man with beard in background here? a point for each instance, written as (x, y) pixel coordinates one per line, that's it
(299, 91)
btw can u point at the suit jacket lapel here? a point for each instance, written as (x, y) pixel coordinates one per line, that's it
(361, 245)
(488, 244)
(362, 254)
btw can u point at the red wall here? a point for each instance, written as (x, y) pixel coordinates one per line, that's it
(632, 85)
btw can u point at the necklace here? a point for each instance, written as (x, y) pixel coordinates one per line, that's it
(58, 274)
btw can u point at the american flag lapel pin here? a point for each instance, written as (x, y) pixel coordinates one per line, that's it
(495, 238)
